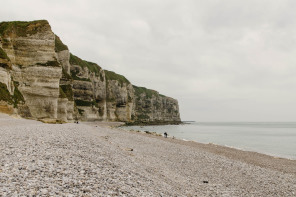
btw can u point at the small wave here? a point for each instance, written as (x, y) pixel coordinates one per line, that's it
(234, 147)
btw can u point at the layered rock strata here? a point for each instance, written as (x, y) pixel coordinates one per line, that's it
(40, 78)
(150, 106)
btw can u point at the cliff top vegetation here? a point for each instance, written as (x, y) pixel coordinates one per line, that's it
(148, 92)
(93, 67)
(22, 28)
(59, 45)
(110, 75)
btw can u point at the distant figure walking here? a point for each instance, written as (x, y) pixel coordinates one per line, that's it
(165, 134)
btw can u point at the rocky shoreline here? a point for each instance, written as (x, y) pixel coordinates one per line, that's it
(141, 123)
(92, 159)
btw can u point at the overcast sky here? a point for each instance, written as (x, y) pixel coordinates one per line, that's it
(224, 60)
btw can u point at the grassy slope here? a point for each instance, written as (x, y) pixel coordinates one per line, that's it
(110, 75)
(93, 67)
(21, 28)
(59, 45)
(149, 93)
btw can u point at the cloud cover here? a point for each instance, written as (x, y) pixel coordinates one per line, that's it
(223, 60)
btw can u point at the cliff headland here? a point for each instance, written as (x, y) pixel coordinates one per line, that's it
(41, 79)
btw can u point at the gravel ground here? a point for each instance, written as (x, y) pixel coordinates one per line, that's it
(90, 159)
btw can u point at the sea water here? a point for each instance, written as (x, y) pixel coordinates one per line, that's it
(272, 138)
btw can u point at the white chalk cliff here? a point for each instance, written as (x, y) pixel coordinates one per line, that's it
(40, 78)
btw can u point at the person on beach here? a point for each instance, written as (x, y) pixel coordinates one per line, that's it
(165, 134)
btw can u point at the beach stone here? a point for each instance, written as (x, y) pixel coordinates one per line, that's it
(44, 191)
(77, 160)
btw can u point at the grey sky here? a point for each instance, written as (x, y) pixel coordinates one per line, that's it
(224, 60)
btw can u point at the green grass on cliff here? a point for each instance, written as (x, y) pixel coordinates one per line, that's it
(80, 111)
(50, 63)
(65, 75)
(4, 65)
(93, 67)
(62, 93)
(59, 45)
(14, 99)
(114, 76)
(21, 28)
(143, 117)
(17, 95)
(75, 77)
(85, 103)
(148, 93)
(3, 55)
(4, 94)
(66, 92)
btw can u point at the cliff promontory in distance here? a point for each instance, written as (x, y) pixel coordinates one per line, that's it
(41, 79)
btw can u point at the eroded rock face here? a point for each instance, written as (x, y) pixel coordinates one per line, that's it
(89, 89)
(30, 48)
(150, 106)
(44, 80)
(62, 109)
(30, 45)
(119, 101)
(67, 111)
(5, 78)
(64, 57)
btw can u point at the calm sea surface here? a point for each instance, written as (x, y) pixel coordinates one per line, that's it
(272, 138)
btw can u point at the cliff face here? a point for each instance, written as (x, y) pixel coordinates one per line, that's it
(89, 89)
(40, 78)
(119, 97)
(150, 106)
(30, 49)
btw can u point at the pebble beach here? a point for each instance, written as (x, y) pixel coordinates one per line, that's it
(97, 159)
